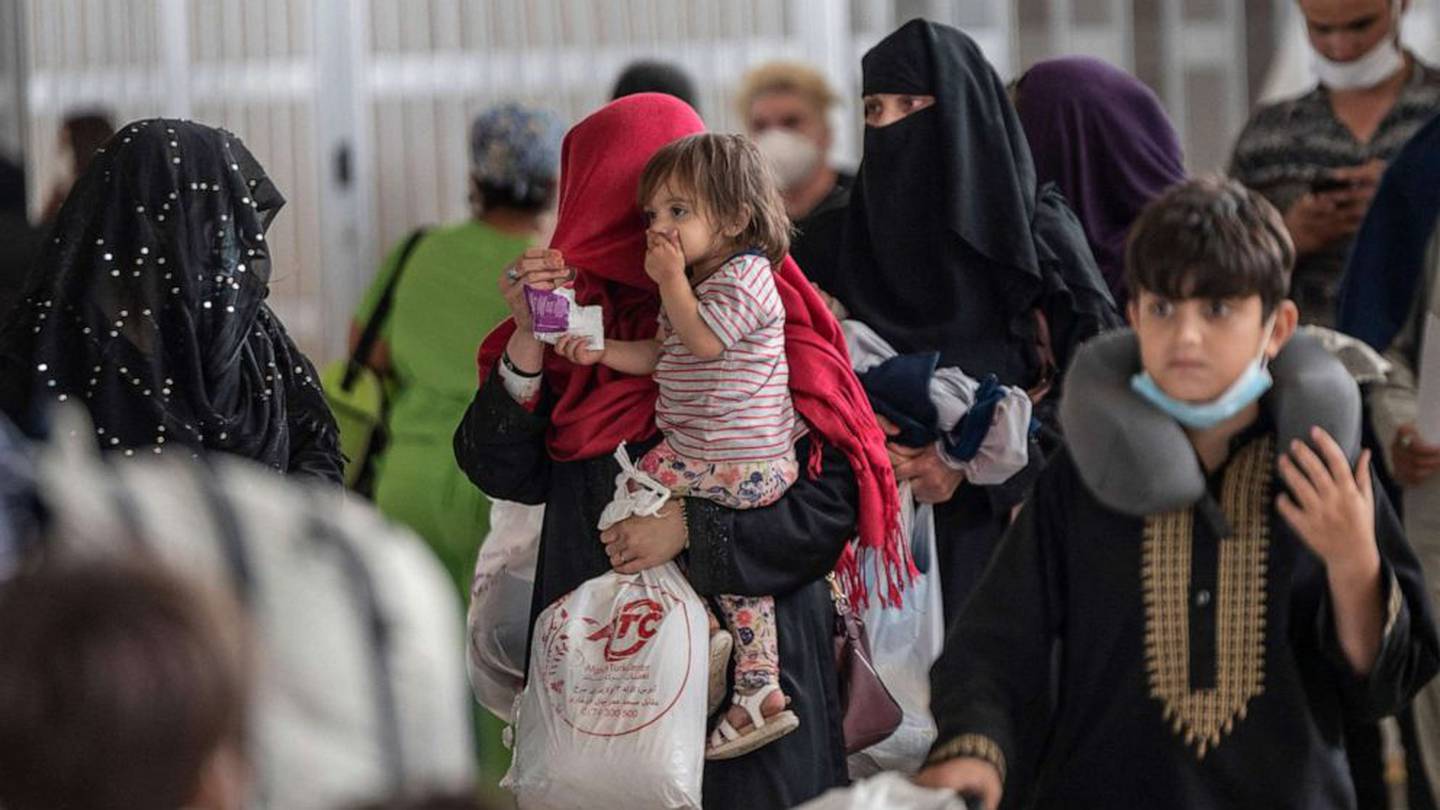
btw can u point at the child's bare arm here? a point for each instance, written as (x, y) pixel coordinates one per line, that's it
(634, 357)
(1333, 511)
(683, 309)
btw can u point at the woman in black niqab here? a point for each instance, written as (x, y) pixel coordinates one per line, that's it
(950, 247)
(147, 306)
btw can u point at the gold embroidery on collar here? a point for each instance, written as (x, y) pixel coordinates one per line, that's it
(1203, 716)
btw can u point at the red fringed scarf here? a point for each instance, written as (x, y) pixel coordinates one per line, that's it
(600, 231)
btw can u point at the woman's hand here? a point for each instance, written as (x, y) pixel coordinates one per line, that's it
(640, 543)
(931, 480)
(1415, 461)
(831, 303)
(541, 268)
(899, 453)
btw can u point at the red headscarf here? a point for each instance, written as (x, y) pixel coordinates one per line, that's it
(600, 232)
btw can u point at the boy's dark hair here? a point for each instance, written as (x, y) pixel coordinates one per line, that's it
(731, 180)
(117, 685)
(1211, 238)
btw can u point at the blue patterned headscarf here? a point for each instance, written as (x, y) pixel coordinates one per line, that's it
(516, 147)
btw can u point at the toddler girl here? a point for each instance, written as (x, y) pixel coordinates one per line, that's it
(716, 225)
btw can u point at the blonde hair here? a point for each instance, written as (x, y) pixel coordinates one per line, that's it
(785, 77)
(732, 182)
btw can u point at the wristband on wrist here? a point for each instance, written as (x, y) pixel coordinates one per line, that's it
(514, 369)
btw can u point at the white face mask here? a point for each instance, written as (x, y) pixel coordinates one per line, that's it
(1382, 62)
(792, 156)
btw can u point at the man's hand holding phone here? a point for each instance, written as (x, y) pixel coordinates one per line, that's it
(1334, 207)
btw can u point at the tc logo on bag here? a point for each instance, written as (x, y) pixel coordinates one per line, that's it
(635, 625)
(602, 657)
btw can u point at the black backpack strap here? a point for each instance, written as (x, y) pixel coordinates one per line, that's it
(235, 554)
(371, 332)
(230, 533)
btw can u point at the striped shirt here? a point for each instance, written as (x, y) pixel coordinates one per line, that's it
(1287, 145)
(735, 408)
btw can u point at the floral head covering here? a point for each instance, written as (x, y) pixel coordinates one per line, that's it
(516, 147)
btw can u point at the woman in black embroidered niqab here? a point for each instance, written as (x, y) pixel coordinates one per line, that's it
(147, 306)
(951, 248)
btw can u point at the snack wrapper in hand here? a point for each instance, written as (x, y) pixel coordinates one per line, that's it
(555, 314)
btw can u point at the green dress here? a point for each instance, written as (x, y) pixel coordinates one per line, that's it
(447, 301)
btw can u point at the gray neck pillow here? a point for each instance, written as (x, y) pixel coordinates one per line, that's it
(1136, 460)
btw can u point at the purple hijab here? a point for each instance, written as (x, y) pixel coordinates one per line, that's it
(1102, 136)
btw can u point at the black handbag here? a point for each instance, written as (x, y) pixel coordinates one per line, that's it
(356, 394)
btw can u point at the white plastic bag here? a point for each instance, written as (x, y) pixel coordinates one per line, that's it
(613, 714)
(498, 620)
(888, 791)
(904, 643)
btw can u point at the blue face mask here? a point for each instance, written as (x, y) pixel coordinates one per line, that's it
(1251, 385)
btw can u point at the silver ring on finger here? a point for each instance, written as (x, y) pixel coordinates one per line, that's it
(512, 274)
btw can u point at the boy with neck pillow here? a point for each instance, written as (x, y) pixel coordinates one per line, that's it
(1224, 579)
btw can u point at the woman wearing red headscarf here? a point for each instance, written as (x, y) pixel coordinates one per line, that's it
(542, 430)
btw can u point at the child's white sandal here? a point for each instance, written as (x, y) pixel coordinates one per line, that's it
(727, 743)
